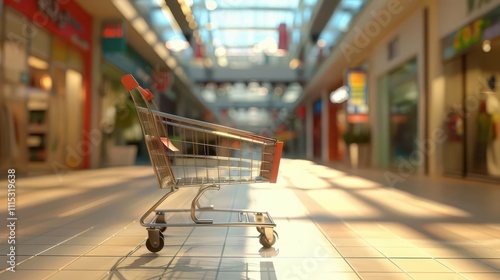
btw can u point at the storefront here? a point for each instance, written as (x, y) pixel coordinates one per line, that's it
(396, 88)
(471, 67)
(46, 50)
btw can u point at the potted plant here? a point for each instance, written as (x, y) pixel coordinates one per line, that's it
(357, 139)
(127, 135)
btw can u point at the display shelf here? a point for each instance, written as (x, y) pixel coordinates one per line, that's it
(37, 127)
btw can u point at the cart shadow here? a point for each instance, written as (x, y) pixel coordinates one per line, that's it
(187, 267)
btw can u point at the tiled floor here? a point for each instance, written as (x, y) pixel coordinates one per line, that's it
(333, 223)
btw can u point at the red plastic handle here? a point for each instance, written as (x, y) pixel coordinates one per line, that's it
(129, 82)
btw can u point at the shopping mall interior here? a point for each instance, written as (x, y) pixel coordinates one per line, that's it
(366, 132)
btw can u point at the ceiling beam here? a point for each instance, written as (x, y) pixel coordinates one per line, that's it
(321, 15)
(180, 18)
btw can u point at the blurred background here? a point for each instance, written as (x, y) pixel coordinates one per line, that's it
(401, 85)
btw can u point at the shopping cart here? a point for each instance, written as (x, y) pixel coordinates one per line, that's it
(192, 153)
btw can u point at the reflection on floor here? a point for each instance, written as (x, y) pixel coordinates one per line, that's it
(333, 223)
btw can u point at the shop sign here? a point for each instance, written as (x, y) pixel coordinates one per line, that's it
(356, 82)
(470, 34)
(113, 37)
(65, 19)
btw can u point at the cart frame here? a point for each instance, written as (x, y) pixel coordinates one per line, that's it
(165, 133)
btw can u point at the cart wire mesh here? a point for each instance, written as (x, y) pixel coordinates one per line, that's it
(187, 152)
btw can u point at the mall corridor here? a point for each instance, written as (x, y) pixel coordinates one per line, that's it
(333, 223)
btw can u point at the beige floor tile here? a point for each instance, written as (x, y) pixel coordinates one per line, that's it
(46, 262)
(372, 265)
(421, 265)
(31, 250)
(309, 265)
(467, 265)
(405, 252)
(359, 251)
(207, 241)
(188, 275)
(153, 262)
(69, 250)
(389, 242)
(145, 273)
(124, 240)
(444, 252)
(313, 275)
(112, 251)
(482, 276)
(200, 251)
(245, 251)
(495, 263)
(86, 240)
(27, 274)
(168, 250)
(94, 263)
(81, 274)
(194, 263)
(43, 240)
(384, 276)
(349, 242)
(436, 276)
(480, 253)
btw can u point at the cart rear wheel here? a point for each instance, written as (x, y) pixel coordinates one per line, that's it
(260, 230)
(160, 219)
(266, 243)
(155, 247)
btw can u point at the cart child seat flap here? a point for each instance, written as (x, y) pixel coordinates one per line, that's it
(169, 144)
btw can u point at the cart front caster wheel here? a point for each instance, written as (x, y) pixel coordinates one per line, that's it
(153, 248)
(266, 243)
(160, 219)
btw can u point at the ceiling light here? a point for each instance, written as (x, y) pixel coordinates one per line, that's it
(161, 50)
(171, 62)
(193, 25)
(177, 45)
(127, 10)
(140, 25)
(150, 37)
(185, 9)
(339, 95)
(211, 5)
(321, 43)
(220, 51)
(222, 61)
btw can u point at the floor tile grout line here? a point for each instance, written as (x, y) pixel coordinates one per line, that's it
(50, 248)
(227, 234)
(308, 214)
(96, 246)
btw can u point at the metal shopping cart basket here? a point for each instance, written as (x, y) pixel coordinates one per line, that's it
(192, 153)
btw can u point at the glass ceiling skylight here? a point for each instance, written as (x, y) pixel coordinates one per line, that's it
(244, 32)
